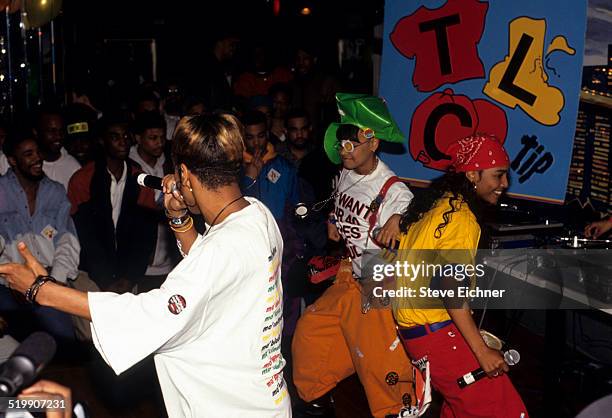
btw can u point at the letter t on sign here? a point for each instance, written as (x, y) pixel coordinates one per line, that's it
(439, 27)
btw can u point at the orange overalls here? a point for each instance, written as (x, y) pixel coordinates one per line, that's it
(335, 339)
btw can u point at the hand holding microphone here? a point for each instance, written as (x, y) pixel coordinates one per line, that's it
(173, 199)
(150, 181)
(492, 361)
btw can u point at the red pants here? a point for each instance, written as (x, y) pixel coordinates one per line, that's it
(450, 358)
(334, 339)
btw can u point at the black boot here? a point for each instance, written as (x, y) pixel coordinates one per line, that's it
(322, 407)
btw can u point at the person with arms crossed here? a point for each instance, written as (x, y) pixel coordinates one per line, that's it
(215, 323)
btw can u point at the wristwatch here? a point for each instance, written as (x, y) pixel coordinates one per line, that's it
(179, 221)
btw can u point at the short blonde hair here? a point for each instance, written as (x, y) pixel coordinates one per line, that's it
(211, 147)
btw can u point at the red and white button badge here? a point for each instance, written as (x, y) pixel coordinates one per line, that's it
(176, 304)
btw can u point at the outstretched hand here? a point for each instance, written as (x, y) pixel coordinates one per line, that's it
(21, 276)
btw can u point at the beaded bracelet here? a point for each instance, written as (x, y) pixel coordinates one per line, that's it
(32, 292)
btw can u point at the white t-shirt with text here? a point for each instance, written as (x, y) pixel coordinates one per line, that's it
(355, 194)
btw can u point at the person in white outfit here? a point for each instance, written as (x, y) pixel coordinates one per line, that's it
(215, 324)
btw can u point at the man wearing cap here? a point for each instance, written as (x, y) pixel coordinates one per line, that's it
(80, 127)
(338, 335)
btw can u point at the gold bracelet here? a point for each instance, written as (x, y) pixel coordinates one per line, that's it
(183, 228)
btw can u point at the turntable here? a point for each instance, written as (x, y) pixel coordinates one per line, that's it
(577, 241)
(526, 234)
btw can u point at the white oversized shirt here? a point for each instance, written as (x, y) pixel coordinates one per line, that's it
(215, 324)
(355, 194)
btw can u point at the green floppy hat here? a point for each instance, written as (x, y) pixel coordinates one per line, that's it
(365, 112)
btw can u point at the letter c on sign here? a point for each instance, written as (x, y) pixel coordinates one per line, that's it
(434, 118)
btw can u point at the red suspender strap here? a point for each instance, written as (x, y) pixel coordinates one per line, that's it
(375, 205)
(322, 268)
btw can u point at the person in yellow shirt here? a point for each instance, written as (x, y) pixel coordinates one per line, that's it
(445, 336)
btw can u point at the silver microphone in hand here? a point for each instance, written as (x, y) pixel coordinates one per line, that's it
(150, 181)
(511, 357)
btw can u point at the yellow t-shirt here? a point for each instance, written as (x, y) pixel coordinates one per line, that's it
(461, 233)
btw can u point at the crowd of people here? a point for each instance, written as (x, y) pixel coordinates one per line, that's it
(210, 274)
(68, 186)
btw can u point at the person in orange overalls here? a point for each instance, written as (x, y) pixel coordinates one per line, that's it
(337, 335)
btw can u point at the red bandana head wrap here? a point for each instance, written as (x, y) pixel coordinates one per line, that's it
(477, 152)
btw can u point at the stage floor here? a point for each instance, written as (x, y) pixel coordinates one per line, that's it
(350, 401)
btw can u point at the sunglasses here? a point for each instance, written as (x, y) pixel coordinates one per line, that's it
(348, 145)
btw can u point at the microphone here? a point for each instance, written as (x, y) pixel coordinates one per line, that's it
(147, 180)
(511, 357)
(24, 365)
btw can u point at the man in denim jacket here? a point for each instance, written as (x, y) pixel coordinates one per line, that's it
(36, 210)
